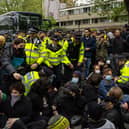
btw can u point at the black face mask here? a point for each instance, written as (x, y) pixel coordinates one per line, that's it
(121, 66)
(42, 37)
(19, 52)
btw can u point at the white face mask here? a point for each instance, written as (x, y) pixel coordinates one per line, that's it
(108, 62)
(97, 71)
(75, 80)
(14, 99)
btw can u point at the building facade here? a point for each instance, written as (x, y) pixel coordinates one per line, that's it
(51, 8)
(83, 16)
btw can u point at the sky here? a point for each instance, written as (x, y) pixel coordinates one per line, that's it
(87, 1)
(83, 1)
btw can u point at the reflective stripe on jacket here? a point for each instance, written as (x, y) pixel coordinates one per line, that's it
(29, 79)
(124, 73)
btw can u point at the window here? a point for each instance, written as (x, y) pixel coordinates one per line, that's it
(77, 11)
(69, 23)
(102, 20)
(95, 20)
(77, 22)
(86, 21)
(86, 10)
(71, 12)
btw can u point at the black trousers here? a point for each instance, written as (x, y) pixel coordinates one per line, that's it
(68, 72)
(58, 76)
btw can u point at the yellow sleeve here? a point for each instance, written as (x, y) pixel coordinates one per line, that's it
(65, 46)
(64, 58)
(81, 54)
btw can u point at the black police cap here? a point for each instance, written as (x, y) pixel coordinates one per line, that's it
(32, 30)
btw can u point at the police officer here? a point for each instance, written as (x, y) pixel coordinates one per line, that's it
(44, 38)
(31, 77)
(124, 71)
(22, 35)
(34, 50)
(56, 55)
(75, 53)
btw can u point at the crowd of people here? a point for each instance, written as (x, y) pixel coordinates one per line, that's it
(65, 79)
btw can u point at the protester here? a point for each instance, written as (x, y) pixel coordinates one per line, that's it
(63, 79)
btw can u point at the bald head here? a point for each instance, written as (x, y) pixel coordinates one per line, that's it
(2, 40)
(117, 33)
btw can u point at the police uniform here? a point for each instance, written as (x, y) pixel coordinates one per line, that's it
(55, 55)
(75, 53)
(34, 50)
(124, 78)
(29, 79)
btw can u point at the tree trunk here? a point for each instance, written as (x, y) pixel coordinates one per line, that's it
(127, 6)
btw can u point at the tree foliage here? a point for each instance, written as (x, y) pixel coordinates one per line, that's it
(10, 5)
(127, 5)
(110, 8)
(33, 6)
(20, 5)
(69, 3)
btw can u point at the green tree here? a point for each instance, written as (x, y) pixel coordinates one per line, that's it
(10, 5)
(110, 8)
(69, 3)
(127, 7)
(32, 6)
(22, 5)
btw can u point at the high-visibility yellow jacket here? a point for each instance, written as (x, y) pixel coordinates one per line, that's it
(81, 51)
(46, 41)
(124, 78)
(34, 54)
(29, 79)
(55, 58)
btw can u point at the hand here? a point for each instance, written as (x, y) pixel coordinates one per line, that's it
(53, 107)
(71, 66)
(116, 78)
(55, 112)
(10, 122)
(87, 49)
(17, 76)
(125, 106)
(55, 89)
(51, 67)
(1, 94)
(79, 64)
(34, 66)
(85, 59)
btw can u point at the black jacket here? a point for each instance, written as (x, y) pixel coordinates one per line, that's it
(115, 116)
(118, 45)
(1, 52)
(70, 106)
(7, 57)
(22, 109)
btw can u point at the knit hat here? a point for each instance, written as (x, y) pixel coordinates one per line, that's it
(78, 73)
(55, 37)
(58, 122)
(95, 110)
(74, 88)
